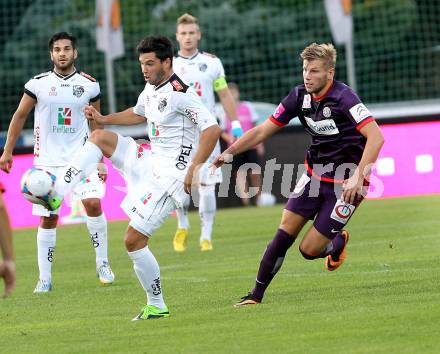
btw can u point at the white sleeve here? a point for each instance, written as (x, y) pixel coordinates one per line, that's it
(30, 88)
(95, 92)
(190, 105)
(139, 109)
(220, 70)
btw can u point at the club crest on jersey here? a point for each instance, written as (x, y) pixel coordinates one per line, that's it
(162, 104)
(326, 112)
(78, 90)
(203, 67)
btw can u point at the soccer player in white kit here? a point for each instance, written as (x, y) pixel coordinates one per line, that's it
(60, 129)
(183, 133)
(205, 73)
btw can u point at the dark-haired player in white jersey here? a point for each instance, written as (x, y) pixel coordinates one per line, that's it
(183, 134)
(205, 73)
(60, 129)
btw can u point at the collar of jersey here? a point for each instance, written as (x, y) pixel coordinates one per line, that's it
(65, 77)
(173, 76)
(191, 57)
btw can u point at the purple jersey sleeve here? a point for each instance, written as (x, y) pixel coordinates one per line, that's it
(354, 109)
(287, 109)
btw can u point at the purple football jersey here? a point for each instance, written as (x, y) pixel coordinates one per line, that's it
(333, 120)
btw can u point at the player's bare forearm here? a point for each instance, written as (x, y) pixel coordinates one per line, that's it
(228, 103)
(15, 128)
(253, 137)
(94, 124)
(127, 117)
(17, 122)
(207, 142)
(375, 141)
(6, 233)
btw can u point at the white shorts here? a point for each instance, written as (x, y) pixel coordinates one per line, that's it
(148, 203)
(90, 187)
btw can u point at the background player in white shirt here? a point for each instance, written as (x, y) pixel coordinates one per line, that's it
(183, 133)
(205, 73)
(60, 129)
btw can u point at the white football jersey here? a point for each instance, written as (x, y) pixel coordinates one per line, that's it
(175, 116)
(60, 127)
(200, 71)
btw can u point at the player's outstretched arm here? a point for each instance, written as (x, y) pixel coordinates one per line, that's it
(127, 117)
(7, 267)
(15, 128)
(250, 139)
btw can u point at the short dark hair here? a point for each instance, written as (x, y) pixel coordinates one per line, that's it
(62, 35)
(160, 45)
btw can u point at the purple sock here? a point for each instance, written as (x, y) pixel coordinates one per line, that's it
(335, 247)
(271, 262)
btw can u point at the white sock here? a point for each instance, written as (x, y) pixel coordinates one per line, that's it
(46, 239)
(147, 270)
(97, 226)
(84, 163)
(207, 209)
(182, 218)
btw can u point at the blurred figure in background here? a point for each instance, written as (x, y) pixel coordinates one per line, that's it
(7, 266)
(248, 119)
(205, 73)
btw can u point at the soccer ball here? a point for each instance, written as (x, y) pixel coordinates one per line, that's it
(38, 185)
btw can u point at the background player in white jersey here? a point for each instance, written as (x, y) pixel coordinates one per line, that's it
(205, 73)
(183, 134)
(60, 129)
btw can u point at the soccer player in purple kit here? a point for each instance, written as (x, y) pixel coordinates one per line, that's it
(344, 134)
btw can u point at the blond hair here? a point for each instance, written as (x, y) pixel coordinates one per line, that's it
(325, 52)
(187, 19)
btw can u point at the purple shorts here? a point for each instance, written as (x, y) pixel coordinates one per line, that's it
(314, 199)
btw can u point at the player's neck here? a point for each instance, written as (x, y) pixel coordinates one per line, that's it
(65, 72)
(167, 76)
(322, 93)
(188, 53)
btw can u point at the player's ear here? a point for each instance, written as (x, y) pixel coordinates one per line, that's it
(330, 73)
(75, 54)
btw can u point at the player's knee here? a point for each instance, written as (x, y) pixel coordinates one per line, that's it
(49, 222)
(307, 254)
(93, 207)
(98, 137)
(133, 242)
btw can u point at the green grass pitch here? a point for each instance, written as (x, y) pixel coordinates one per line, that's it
(384, 299)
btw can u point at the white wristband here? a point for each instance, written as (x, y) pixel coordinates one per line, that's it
(236, 124)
